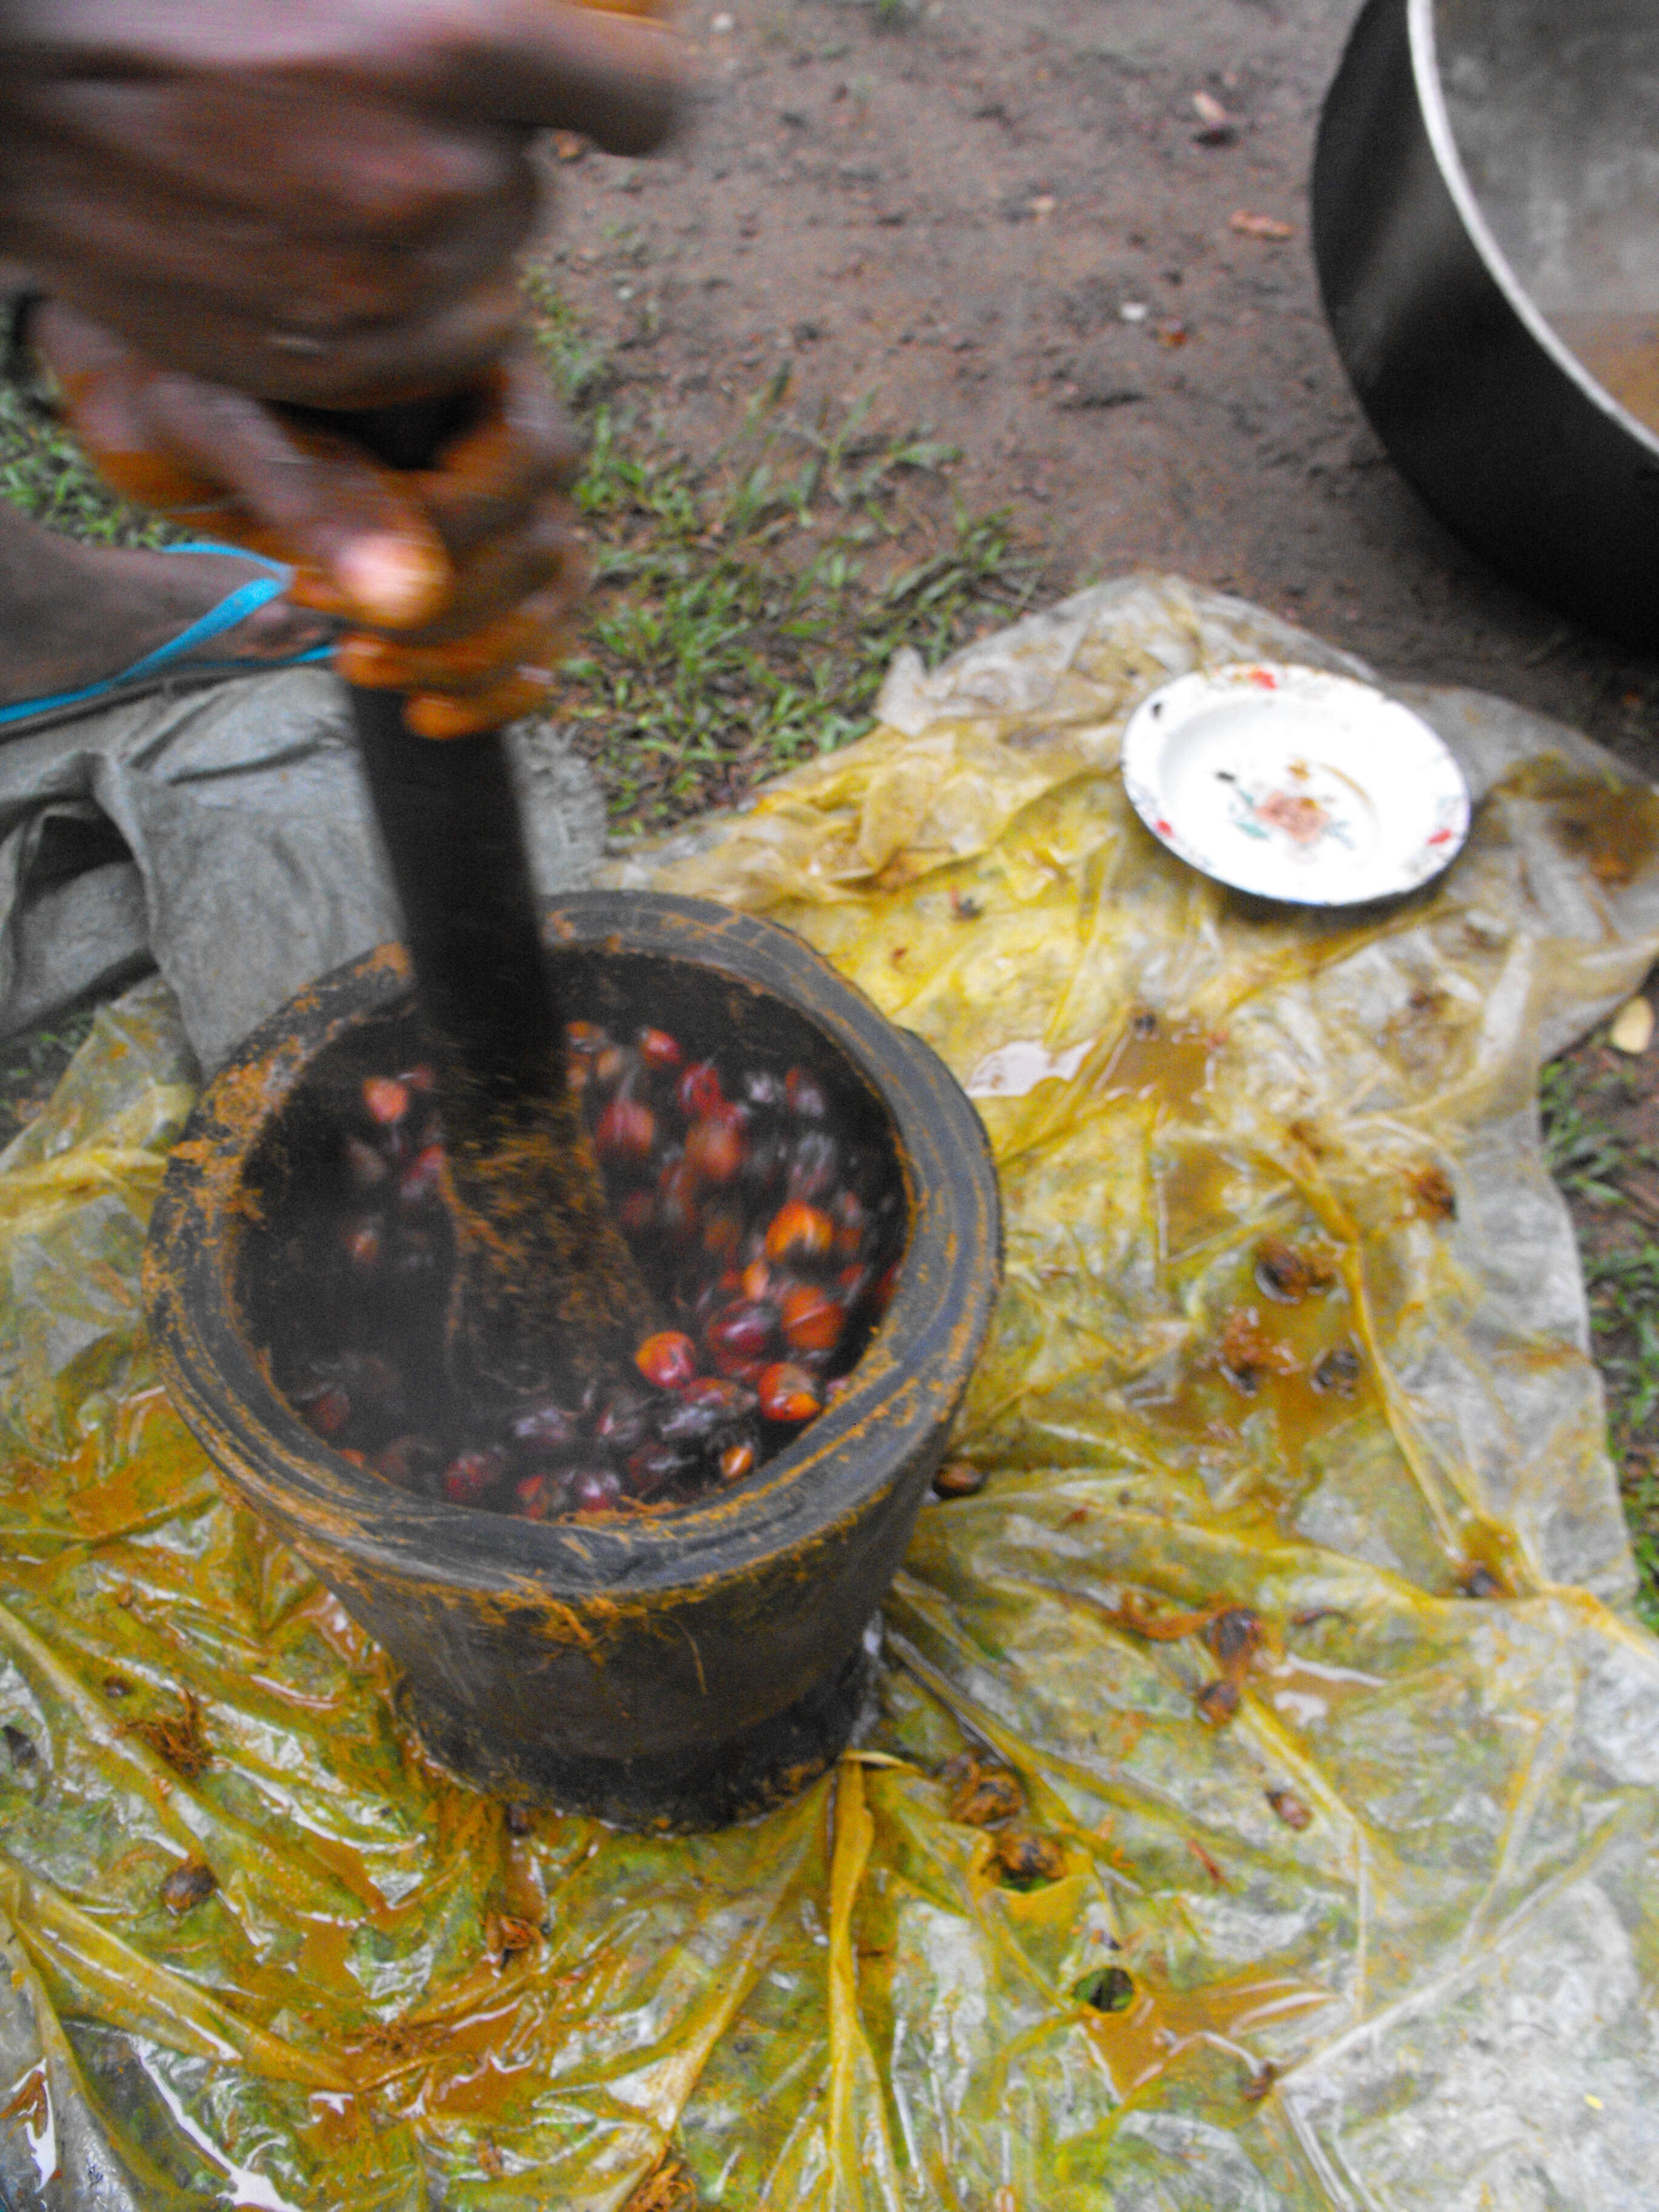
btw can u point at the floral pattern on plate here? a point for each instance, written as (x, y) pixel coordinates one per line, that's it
(1292, 783)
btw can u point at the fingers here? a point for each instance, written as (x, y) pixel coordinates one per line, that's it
(619, 79)
(519, 638)
(477, 684)
(364, 536)
(366, 547)
(521, 448)
(459, 583)
(437, 716)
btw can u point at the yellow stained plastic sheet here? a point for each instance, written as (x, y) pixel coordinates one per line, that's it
(1263, 1806)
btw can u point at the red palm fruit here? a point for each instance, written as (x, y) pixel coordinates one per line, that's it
(398, 1462)
(357, 1458)
(806, 1098)
(593, 1489)
(812, 1320)
(711, 1405)
(741, 1333)
(659, 1050)
(789, 1394)
(422, 1179)
(668, 1360)
(886, 1284)
(765, 1159)
(700, 1090)
(532, 1498)
(736, 1461)
(610, 1065)
(549, 1427)
(419, 1078)
(370, 1379)
(653, 1468)
(622, 1424)
(852, 1222)
(386, 1099)
(326, 1409)
(756, 1279)
(722, 1233)
(715, 1148)
(764, 1091)
(586, 1037)
(677, 1200)
(798, 1231)
(730, 1400)
(471, 1475)
(814, 1162)
(577, 1074)
(363, 1240)
(637, 1211)
(627, 1130)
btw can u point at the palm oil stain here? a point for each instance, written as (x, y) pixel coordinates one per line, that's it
(1141, 2041)
(1609, 824)
(1283, 1351)
(1167, 1063)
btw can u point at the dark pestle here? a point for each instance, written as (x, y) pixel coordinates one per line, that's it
(547, 1289)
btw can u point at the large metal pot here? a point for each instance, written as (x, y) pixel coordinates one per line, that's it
(673, 1673)
(1485, 224)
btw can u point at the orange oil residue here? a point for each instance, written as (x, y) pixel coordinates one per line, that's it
(1283, 1348)
(1196, 1198)
(325, 1954)
(1609, 824)
(148, 1467)
(1158, 2024)
(1167, 1063)
(470, 2061)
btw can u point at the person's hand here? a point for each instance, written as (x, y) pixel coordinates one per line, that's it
(456, 584)
(311, 201)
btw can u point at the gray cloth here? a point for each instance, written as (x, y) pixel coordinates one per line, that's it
(223, 836)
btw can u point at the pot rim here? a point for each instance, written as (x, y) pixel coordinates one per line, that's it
(905, 1386)
(1422, 35)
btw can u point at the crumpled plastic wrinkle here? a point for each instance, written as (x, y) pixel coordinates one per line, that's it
(1258, 1808)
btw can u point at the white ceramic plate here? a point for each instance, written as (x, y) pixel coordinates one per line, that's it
(1294, 784)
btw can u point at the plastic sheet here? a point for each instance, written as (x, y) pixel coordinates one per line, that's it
(157, 832)
(1066, 1929)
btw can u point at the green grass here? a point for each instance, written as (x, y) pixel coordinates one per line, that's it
(41, 470)
(1603, 1168)
(1584, 1154)
(31, 1064)
(747, 607)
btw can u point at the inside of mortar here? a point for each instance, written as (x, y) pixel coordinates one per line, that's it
(343, 1270)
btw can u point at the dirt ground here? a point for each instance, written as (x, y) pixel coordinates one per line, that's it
(1002, 217)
